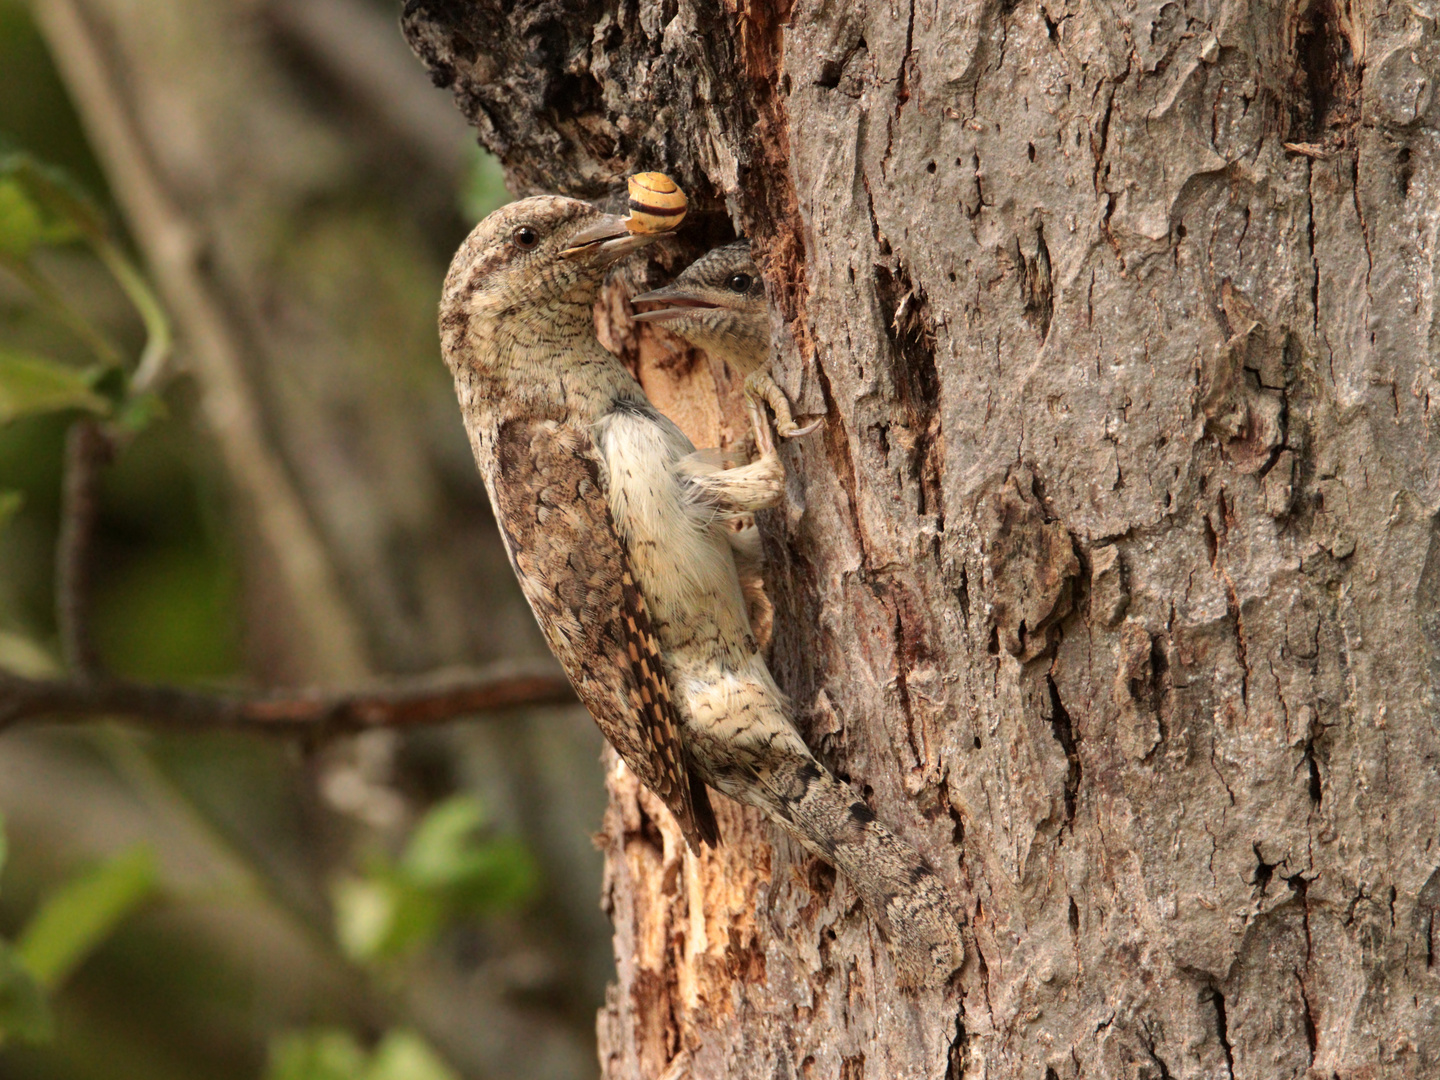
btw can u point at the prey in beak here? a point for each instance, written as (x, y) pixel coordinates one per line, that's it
(608, 240)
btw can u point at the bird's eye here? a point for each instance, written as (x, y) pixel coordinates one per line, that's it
(739, 283)
(525, 238)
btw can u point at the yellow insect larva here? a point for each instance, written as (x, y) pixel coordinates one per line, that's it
(656, 203)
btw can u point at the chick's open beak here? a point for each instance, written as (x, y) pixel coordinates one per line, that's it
(680, 303)
(608, 240)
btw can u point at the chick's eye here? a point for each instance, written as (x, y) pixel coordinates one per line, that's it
(738, 283)
(525, 238)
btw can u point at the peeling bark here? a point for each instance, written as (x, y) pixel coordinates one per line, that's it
(1112, 578)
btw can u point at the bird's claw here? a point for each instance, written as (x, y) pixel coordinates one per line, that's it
(794, 431)
(759, 386)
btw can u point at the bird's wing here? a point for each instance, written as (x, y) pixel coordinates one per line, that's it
(575, 571)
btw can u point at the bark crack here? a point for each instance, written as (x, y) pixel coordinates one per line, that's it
(1301, 887)
(1312, 1039)
(958, 1053)
(1214, 765)
(1316, 791)
(841, 460)
(1214, 540)
(1101, 138)
(1148, 1041)
(1222, 1030)
(1364, 231)
(902, 688)
(902, 80)
(1062, 726)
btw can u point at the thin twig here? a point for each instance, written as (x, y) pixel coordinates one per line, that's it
(87, 450)
(159, 339)
(314, 715)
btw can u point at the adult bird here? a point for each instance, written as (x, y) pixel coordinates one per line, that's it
(616, 530)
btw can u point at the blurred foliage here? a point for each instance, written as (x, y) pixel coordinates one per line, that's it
(10, 502)
(32, 384)
(450, 869)
(24, 1013)
(329, 1054)
(69, 925)
(42, 209)
(272, 922)
(82, 913)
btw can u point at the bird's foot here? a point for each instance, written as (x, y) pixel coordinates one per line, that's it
(759, 386)
(760, 426)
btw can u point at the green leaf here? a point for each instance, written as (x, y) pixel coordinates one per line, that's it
(21, 223)
(443, 840)
(24, 224)
(383, 916)
(404, 1055)
(498, 876)
(84, 911)
(140, 411)
(334, 1054)
(448, 855)
(31, 384)
(24, 1012)
(323, 1054)
(448, 868)
(40, 204)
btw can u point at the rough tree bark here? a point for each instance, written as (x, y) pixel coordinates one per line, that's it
(1112, 579)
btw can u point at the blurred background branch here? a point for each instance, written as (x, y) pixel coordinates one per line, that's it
(355, 43)
(87, 451)
(314, 716)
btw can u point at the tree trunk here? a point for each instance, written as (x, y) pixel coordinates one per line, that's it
(1112, 578)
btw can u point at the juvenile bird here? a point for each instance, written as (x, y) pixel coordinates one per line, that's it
(718, 304)
(616, 529)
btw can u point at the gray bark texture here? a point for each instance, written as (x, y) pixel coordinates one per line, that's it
(1112, 578)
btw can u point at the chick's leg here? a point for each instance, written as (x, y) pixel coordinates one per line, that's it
(745, 489)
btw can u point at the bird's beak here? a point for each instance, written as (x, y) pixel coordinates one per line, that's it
(608, 240)
(680, 303)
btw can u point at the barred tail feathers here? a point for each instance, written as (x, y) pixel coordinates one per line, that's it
(911, 906)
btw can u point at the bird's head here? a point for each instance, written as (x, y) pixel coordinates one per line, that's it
(717, 304)
(531, 270)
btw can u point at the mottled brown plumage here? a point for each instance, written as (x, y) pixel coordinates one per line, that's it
(619, 534)
(508, 317)
(576, 574)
